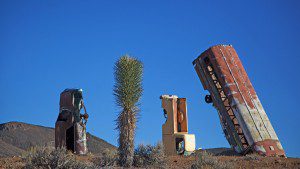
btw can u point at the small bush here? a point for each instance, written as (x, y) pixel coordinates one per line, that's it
(107, 158)
(147, 155)
(207, 160)
(252, 156)
(49, 157)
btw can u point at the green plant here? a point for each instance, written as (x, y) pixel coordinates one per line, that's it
(148, 155)
(128, 90)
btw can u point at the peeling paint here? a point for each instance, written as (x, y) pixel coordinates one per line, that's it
(247, 124)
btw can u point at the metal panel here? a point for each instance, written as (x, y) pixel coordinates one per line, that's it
(175, 129)
(80, 138)
(223, 75)
(226, 122)
(70, 126)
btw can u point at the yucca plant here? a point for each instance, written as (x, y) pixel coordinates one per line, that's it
(127, 91)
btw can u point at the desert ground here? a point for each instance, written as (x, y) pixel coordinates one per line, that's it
(16, 139)
(187, 162)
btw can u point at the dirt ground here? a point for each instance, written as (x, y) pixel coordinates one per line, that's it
(187, 162)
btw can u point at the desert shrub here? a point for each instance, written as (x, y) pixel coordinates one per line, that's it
(11, 162)
(248, 157)
(207, 160)
(148, 155)
(252, 156)
(49, 157)
(107, 158)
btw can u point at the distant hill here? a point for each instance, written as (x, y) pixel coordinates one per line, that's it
(16, 137)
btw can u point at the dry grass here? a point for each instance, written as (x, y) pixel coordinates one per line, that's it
(48, 157)
(108, 158)
(148, 155)
(45, 157)
(205, 160)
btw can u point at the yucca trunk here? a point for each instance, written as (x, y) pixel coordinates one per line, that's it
(127, 92)
(127, 122)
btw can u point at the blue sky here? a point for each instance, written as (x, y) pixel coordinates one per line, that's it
(47, 46)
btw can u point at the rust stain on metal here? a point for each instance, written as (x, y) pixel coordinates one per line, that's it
(243, 119)
(70, 126)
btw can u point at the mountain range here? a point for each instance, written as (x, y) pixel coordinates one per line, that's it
(17, 137)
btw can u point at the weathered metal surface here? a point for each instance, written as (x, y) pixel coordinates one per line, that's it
(176, 139)
(80, 139)
(70, 126)
(243, 119)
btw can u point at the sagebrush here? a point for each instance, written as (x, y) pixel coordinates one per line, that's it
(108, 158)
(148, 155)
(49, 157)
(206, 160)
